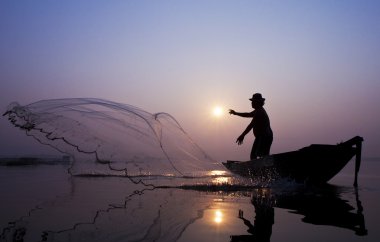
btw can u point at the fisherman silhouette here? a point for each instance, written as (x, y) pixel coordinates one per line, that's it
(260, 125)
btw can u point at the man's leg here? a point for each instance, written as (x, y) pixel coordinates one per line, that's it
(255, 148)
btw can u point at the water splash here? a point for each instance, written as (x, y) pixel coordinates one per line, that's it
(110, 138)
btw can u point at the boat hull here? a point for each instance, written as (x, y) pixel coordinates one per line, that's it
(313, 164)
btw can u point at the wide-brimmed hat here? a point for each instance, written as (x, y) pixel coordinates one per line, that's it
(257, 97)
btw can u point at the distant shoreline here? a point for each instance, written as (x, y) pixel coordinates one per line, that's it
(32, 160)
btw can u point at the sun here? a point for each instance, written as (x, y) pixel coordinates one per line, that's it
(217, 111)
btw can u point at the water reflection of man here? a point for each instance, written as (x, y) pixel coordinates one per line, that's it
(261, 230)
(260, 125)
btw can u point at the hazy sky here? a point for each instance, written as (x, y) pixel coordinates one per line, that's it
(317, 63)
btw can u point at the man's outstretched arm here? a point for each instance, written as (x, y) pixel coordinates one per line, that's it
(244, 115)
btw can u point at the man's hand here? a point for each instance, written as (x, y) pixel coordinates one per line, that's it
(240, 139)
(232, 111)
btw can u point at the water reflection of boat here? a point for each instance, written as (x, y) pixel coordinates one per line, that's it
(316, 163)
(319, 206)
(325, 207)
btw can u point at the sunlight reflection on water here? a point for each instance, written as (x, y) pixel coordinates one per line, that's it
(218, 216)
(220, 177)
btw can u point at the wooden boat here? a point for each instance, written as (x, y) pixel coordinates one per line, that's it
(316, 164)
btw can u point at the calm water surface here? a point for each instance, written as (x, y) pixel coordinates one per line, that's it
(44, 203)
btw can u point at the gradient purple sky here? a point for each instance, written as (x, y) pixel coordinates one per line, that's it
(316, 62)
